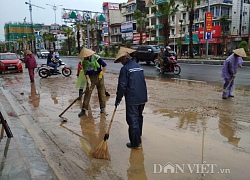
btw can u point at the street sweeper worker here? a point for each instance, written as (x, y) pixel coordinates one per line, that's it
(93, 68)
(131, 85)
(79, 68)
(229, 69)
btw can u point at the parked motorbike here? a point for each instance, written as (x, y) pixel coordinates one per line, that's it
(173, 66)
(45, 71)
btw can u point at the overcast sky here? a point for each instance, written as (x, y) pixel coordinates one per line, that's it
(17, 10)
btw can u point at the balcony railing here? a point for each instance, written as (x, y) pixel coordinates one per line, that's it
(158, 26)
(160, 1)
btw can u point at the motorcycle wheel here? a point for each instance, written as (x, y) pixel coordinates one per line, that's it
(43, 73)
(66, 72)
(177, 70)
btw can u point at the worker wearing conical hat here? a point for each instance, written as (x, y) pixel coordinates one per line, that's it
(229, 69)
(93, 68)
(132, 86)
(30, 64)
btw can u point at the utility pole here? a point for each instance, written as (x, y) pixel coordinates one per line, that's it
(181, 21)
(208, 10)
(30, 8)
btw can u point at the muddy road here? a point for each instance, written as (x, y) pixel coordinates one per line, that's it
(189, 131)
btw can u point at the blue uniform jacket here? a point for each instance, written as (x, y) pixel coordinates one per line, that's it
(132, 84)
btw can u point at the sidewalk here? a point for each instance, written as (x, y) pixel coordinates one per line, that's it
(20, 157)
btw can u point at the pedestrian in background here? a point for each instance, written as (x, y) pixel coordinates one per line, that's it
(160, 57)
(95, 68)
(229, 70)
(132, 85)
(30, 64)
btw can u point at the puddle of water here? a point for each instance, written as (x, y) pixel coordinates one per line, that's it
(173, 128)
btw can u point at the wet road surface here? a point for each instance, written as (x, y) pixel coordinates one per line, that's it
(189, 131)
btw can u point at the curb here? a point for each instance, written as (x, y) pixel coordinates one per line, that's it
(31, 161)
(188, 61)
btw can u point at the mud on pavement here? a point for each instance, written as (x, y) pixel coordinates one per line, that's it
(189, 131)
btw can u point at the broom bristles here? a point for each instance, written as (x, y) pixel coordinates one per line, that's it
(101, 151)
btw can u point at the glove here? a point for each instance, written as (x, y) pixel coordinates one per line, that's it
(89, 82)
(116, 104)
(100, 75)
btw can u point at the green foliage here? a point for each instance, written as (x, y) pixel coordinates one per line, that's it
(128, 44)
(244, 45)
(100, 47)
(106, 51)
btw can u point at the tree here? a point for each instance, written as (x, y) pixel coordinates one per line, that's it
(69, 33)
(79, 27)
(244, 45)
(190, 7)
(224, 21)
(140, 22)
(44, 39)
(30, 42)
(52, 39)
(20, 44)
(91, 23)
(166, 10)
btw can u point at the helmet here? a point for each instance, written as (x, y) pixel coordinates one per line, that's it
(56, 56)
(168, 47)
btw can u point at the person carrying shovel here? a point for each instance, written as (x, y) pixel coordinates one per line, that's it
(132, 85)
(229, 70)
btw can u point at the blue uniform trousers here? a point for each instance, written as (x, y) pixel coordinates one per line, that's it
(134, 120)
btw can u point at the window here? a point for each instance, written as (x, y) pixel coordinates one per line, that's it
(225, 11)
(217, 13)
(184, 16)
(173, 18)
(172, 31)
(196, 14)
(153, 21)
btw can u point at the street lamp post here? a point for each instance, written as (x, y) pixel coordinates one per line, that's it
(54, 7)
(208, 9)
(181, 21)
(174, 42)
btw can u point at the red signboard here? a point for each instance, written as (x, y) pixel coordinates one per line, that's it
(209, 21)
(213, 41)
(137, 36)
(216, 32)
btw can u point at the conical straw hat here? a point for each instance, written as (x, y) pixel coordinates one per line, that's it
(85, 53)
(123, 51)
(240, 52)
(27, 52)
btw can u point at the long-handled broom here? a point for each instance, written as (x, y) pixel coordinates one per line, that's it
(60, 115)
(101, 151)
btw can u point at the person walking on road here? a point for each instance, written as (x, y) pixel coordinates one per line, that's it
(229, 70)
(94, 69)
(131, 85)
(30, 64)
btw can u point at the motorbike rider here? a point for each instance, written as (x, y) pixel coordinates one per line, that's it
(51, 63)
(166, 57)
